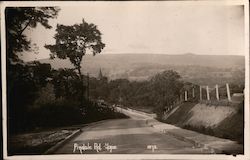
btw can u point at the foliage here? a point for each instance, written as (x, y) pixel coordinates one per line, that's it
(159, 92)
(167, 85)
(95, 112)
(66, 84)
(60, 112)
(18, 19)
(28, 108)
(73, 42)
(24, 81)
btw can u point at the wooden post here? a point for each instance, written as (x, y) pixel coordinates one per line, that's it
(228, 92)
(200, 93)
(208, 97)
(193, 93)
(186, 96)
(87, 86)
(217, 92)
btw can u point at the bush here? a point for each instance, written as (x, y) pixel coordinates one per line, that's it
(94, 112)
(63, 112)
(56, 113)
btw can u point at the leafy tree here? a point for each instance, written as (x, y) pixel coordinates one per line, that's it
(167, 85)
(66, 84)
(18, 19)
(159, 92)
(73, 42)
(24, 79)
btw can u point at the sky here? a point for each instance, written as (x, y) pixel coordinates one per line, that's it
(153, 27)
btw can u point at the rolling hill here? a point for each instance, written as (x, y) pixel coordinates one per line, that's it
(200, 69)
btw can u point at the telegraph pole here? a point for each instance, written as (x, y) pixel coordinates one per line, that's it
(88, 86)
(193, 92)
(200, 93)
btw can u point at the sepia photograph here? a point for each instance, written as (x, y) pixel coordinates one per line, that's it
(130, 79)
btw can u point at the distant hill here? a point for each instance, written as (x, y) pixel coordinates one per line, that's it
(201, 69)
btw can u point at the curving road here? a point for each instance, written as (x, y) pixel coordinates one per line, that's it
(126, 136)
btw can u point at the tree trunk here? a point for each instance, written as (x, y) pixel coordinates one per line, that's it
(82, 85)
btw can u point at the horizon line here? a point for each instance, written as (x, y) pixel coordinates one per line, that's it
(141, 53)
(188, 53)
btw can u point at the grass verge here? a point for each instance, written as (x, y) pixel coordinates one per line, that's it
(37, 142)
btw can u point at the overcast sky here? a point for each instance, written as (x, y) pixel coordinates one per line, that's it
(154, 27)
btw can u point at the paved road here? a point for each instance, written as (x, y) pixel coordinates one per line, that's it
(129, 136)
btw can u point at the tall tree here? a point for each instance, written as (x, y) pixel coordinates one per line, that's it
(167, 85)
(24, 79)
(66, 84)
(18, 19)
(73, 42)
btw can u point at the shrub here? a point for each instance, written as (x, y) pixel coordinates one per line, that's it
(56, 113)
(94, 112)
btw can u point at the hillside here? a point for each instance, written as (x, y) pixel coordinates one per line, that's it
(194, 68)
(221, 121)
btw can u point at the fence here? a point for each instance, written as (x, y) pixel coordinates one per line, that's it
(217, 93)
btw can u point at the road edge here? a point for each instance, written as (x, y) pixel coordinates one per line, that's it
(55, 147)
(61, 143)
(197, 143)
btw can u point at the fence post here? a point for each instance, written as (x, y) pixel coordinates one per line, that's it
(217, 92)
(228, 92)
(208, 97)
(200, 93)
(186, 96)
